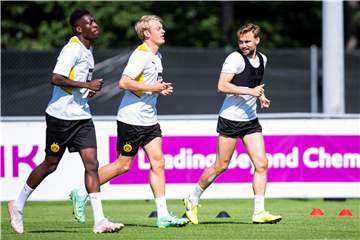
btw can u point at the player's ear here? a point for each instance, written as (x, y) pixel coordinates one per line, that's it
(78, 29)
(146, 34)
(257, 40)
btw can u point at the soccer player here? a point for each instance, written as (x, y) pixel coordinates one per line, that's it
(69, 123)
(137, 123)
(241, 80)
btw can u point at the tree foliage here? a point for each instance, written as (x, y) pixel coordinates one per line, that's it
(44, 25)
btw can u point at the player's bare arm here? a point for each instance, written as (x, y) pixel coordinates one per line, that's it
(127, 83)
(225, 86)
(59, 80)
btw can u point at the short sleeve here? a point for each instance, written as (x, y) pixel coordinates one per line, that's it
(234, 63)
(264, 58)
(136, 63)
(67, 59)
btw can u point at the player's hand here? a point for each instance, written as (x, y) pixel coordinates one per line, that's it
(257, 91)
(95, 85)
(264, 102)
(168, 91)
(160, 85)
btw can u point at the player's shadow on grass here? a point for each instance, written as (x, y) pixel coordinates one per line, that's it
(139, 225)
(299, 199)
(228, 222)
(51, 231)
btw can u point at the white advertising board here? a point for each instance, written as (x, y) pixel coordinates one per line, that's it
(314, 141)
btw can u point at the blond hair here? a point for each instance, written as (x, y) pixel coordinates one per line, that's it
(143, 24)
(250, 27)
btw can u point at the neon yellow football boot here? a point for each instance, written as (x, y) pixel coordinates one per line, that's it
(265, 217)
(191, 211)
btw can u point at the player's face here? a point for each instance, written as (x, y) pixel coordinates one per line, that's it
(89, 28)
(157, 32)
(248, 43)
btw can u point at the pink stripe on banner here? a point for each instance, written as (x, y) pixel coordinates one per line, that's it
(300, 158)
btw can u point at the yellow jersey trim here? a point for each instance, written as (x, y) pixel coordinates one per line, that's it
(71, 77)
(75, 40)
(72, 73)
(139, 79)
(143, 47)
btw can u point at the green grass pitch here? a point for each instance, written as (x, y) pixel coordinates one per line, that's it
(53, 220)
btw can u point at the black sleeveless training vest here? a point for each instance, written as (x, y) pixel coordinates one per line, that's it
(251, 76)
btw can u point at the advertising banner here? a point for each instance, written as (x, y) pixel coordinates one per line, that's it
(299, 158)
(307, 158)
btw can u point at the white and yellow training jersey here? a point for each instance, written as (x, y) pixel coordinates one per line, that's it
(139, 108)
(76, 63)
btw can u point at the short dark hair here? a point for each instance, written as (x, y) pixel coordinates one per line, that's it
(75, 16)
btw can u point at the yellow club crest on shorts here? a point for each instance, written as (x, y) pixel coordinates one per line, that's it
(54, 147)
(127, 147)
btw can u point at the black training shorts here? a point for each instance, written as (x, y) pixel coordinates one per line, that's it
(235, 129)
(72, 134)
(130, 137)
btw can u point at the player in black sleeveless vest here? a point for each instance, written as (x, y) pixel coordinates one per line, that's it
(241, 80)
(250, 77)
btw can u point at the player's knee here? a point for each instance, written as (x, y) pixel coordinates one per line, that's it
(222, 168)
(158, 166)
(261, 166)
(123, 168)
(50, 164)
(92, 166)
(50, 168)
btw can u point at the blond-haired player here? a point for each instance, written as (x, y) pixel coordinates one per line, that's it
(137, 123)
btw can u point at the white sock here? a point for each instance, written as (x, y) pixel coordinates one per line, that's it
(82, 194)
(95, 199)
(161, 207)
(196, 194)
(259, 204)
(25, 193)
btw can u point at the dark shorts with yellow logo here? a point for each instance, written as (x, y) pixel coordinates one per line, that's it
(72, 134)
(235, 129)
(131, 137)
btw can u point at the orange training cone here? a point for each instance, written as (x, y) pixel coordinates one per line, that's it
(345, 213)
(317, 212)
